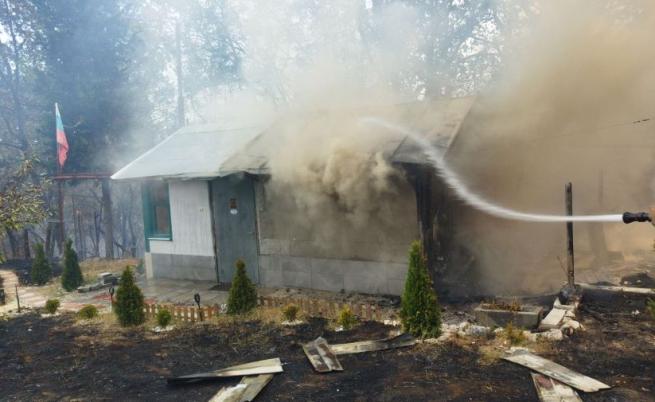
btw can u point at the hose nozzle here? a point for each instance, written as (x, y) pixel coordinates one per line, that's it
(629, 217)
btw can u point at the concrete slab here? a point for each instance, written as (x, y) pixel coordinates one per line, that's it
(527, 318)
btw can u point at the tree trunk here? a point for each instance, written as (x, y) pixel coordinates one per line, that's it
(108, 220)
(13, 243)
(48, 241)
(26, 244)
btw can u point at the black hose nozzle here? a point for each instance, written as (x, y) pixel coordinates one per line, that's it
(629, 217)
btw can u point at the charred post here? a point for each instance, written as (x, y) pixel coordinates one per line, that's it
(570, 263)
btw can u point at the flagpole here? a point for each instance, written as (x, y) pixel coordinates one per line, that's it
(60, 188)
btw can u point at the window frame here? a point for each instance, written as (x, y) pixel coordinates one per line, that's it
(149, 213)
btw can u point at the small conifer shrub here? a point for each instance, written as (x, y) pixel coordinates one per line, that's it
(164, 317)
(420, 312)
(88, 312)
(51, 306)
(243, 294)
(290, 312)
(346, 318)
(71, 278)
(129, 301)
(41, 271)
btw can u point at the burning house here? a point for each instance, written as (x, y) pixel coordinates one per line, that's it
(317, 200)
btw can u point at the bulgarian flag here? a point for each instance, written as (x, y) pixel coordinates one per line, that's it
(62, 143)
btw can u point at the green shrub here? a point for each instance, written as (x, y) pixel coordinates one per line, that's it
(290, 312)
(88, 312)
(71, 278)
(51, 306)
(41, 271)
(243, 294)
(346, 318)
(164, 317)
(650, 307)
(129, 301)
(420, 312)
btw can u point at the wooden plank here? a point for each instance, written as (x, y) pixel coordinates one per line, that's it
(619, 289)
(399, 341)
(269, 366)
(552, 319)
(550, 390)
(245, 391)
(556, 371)
(321, 357)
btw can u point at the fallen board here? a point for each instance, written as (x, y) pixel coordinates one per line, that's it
(550, 390)
(270, 366)
(321, 357)
(245, 391)
(556, 371)
(399, 341)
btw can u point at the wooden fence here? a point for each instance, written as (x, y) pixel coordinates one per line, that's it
(309, 307)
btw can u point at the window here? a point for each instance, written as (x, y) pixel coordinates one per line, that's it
(156, 211)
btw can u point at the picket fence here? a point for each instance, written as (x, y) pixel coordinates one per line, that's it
(309, 307)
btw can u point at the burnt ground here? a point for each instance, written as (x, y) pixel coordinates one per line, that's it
(58, 359)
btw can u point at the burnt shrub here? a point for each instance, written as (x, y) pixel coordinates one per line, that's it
(51, 306)
(88, 312)
(164, 317)
(420, 312)
(71, 277)
(129, 301)
(243, 294)
(41, 270)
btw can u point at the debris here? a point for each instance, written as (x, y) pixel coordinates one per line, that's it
(526, 317)
(552, 319)
(269, 366)
(550, 390)
(556, 371)
(246, 390)
(618, 289)
(399, 341)
(571, 307)
(321, 357)
(551, 335)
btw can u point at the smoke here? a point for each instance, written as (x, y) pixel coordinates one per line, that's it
(572, 105)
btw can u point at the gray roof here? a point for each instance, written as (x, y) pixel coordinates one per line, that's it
(204, 152)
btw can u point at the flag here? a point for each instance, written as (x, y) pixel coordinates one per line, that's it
(62, 143)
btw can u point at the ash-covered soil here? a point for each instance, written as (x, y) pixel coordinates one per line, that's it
(57, 359)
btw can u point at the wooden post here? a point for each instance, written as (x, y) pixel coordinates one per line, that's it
(570, 262)
(108, 219)
(17, 298)
(62, 232)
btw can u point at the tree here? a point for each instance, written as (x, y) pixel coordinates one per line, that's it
(129, 301)
(71, 278)
(243, 294)
(41, 271)
(420, 311)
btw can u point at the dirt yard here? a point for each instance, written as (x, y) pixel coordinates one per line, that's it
(61, 359)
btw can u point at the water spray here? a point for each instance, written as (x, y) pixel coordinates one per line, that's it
(478, 202)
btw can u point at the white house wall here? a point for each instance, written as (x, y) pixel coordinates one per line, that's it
(189, 255)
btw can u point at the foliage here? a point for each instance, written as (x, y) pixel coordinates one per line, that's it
(88, 312)
(243, 294)
(71, 278)
(129, 301)
(420, 311)
(650, 307)
(21, 200)
(164, 317)
(346, 318)
(52, 305)
(290, 312)
(41, 270)
(515, 336)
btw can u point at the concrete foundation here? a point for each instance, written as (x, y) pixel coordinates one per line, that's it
(179, 266)
(332, 274)
(528, 318)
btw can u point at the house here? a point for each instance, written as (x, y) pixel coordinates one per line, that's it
(208, 200)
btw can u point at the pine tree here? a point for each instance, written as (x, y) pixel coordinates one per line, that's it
(129, 301)
(243, 294)
(71, 278)
(420, 311)
(41, 271)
